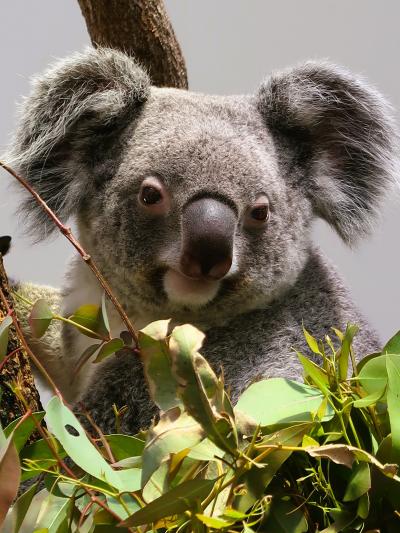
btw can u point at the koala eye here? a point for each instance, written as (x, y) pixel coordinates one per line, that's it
(150, 195)
(258, 214)
(153, 196)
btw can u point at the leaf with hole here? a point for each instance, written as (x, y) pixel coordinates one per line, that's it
(40, 318)
(69, 432)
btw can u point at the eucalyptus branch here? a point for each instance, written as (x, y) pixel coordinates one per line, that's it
(67, 232)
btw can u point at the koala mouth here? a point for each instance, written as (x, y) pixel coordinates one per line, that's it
(187, 291)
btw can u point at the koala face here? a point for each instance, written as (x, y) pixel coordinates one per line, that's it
(197, 218)
(199, 207)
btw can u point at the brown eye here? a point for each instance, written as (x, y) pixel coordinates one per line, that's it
(150, 195)
(153, 197)
(260, 212)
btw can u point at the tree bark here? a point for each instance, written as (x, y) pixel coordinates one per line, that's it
(142, 29)
(17, 369)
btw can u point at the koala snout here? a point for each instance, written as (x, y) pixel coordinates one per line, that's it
(208, 229)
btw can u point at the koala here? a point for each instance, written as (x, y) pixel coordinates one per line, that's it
(199, 208)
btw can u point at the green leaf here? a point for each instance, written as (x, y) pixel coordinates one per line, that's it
(371, 399)
(199, 388)
(174, 432)
(373, 376)
(54, 514)
(158, 483)
(176, 501)
(359, 482)
(124, 510)
(69, 432)
(40, 453)
(285, 517)
(157, 365)
(4, 327)
(288, 402)
(108, 349)
(258, 479)
(215, 523)
(345, 350)
(311, 341)
(21, 506)
(91, 318)
(316, 373)
(393, 402)
(10, 474)
(40, 318)
(124, 446)
(393, 345)
(24, 430)
(105, 323)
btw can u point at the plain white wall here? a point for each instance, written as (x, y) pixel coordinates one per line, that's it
(229, 45)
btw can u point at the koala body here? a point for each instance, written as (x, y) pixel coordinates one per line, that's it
(199, 208)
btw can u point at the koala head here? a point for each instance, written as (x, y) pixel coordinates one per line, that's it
(199, 206)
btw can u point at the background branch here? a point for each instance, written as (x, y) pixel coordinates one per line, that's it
(142, 29)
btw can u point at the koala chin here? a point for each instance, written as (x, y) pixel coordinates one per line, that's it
(187, 291)
(199, 208)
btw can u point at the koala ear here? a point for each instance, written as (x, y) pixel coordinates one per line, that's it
(78, 104)
(341, 134)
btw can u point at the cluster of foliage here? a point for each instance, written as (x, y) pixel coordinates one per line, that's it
(288, 457)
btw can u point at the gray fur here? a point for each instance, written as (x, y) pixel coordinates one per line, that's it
(316, 141)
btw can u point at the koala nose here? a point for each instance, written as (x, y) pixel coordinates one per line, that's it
(207, 241)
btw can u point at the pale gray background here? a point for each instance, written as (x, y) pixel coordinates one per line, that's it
(229, 45)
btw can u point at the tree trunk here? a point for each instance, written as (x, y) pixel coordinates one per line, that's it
(17, 369)
(140, 28)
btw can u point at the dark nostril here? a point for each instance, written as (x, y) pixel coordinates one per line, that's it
(220, 269)
(207, 267)
(190, 266)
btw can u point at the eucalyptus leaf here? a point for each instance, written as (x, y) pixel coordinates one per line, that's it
(157, 365)
(22, 431)
(393, 401)
(90, 317)
(125, 446)
(40, 318)
(393, 345)
(109, 348)
(177, 500)
(199, 388)
(69, 432)
(283, 516)
(4, 328)
(10, 474)
(289, 402)
(174, 432)
(359, 482)
(21, 506)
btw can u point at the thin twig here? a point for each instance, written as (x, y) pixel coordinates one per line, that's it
(66, 231)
